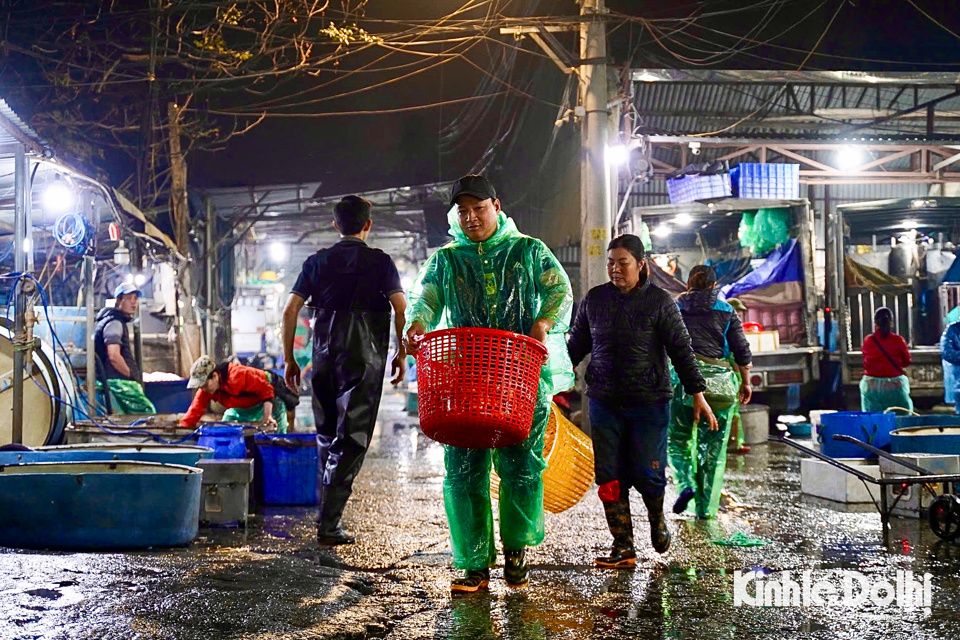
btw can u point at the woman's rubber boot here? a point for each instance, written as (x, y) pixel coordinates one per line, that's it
(622, 554)
(659, 534)
(472, 581)
(681, 504)
(515, 570)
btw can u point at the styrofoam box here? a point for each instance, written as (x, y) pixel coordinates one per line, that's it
(914, 500)
(823, 480)
(763, 340)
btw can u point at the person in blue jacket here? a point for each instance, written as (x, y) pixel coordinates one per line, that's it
(950, 353)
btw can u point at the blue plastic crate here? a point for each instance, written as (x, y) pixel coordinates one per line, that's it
(226, 442)
(692, 188)
(872, 428)
(289, 468)
(777, 181)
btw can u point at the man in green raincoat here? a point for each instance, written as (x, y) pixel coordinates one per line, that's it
(493, 276)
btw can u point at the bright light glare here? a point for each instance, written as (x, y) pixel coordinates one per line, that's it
(139, 279)
(406, 282)
(27, 245)
(58, 197)
(909, 224)
(663, 231)
(849, 157)
(683, 219)
(128, 277)
(278, 252)
(617, 154)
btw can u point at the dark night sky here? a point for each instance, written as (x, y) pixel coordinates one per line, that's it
(364, 152)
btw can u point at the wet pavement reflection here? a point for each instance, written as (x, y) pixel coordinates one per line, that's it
(271, 580)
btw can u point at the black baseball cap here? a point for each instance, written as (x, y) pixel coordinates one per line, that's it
(472, 185)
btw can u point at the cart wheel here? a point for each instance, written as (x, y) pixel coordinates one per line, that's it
(944, 517)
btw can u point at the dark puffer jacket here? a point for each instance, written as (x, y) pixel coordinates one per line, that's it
(630, 336)
(714, 326)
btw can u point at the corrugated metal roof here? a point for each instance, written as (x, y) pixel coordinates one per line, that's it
(14, 130)
(807, 107)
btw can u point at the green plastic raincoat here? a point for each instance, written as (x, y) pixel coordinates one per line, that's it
(697, 455)
(507, 282)
(880, 394)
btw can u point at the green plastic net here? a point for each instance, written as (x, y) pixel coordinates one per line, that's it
(506, 282)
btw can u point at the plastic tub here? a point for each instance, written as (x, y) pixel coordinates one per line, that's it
(289, 468)
(169, 396)
(226, 441)
(872, 428)
(926, 439)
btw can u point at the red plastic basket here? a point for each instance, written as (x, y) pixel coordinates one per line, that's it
(478, 387)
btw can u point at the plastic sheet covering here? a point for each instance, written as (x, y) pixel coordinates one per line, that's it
(697, 455)
(765, 230)
(505, 283)
(880, 394)
(128, 397)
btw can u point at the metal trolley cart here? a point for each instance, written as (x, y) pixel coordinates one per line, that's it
(943, 514)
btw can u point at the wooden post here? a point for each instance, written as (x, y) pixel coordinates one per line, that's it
(188, 329)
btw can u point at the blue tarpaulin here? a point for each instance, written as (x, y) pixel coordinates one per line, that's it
(953, 273)
(783, 265)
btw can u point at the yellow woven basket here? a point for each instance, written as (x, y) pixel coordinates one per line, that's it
(568, 452)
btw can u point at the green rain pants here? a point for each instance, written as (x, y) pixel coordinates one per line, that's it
(697, 455)
(127, 396)
(466, 495)
(255, 414)
(880, 394)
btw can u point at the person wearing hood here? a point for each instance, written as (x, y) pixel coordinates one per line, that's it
(112, 345)
(493, 276)
(351, 288)
(698, 452)
(630, 327)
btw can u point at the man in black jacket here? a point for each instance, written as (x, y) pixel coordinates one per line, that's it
(113, 347)
(630, 327)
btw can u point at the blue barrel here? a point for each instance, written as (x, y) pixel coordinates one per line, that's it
(98, 505)
(186, 455)
(226, 442)
(872, 428)
(289, 468)
(926, 439)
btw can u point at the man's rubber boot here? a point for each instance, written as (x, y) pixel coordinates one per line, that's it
(472, 581)
(332, 502)
(659, 534)
(515, 570)
(622, 554)
(333, 538)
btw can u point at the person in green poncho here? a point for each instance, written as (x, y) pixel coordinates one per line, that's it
(697, 451)
(493, 276)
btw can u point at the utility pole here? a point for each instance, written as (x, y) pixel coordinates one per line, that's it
(209, 268)
(22, 355)
(595, 209)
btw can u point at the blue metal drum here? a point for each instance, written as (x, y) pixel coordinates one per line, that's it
(98, 505)
(187, 455)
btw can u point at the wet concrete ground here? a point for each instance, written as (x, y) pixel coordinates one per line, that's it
(273, 582)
